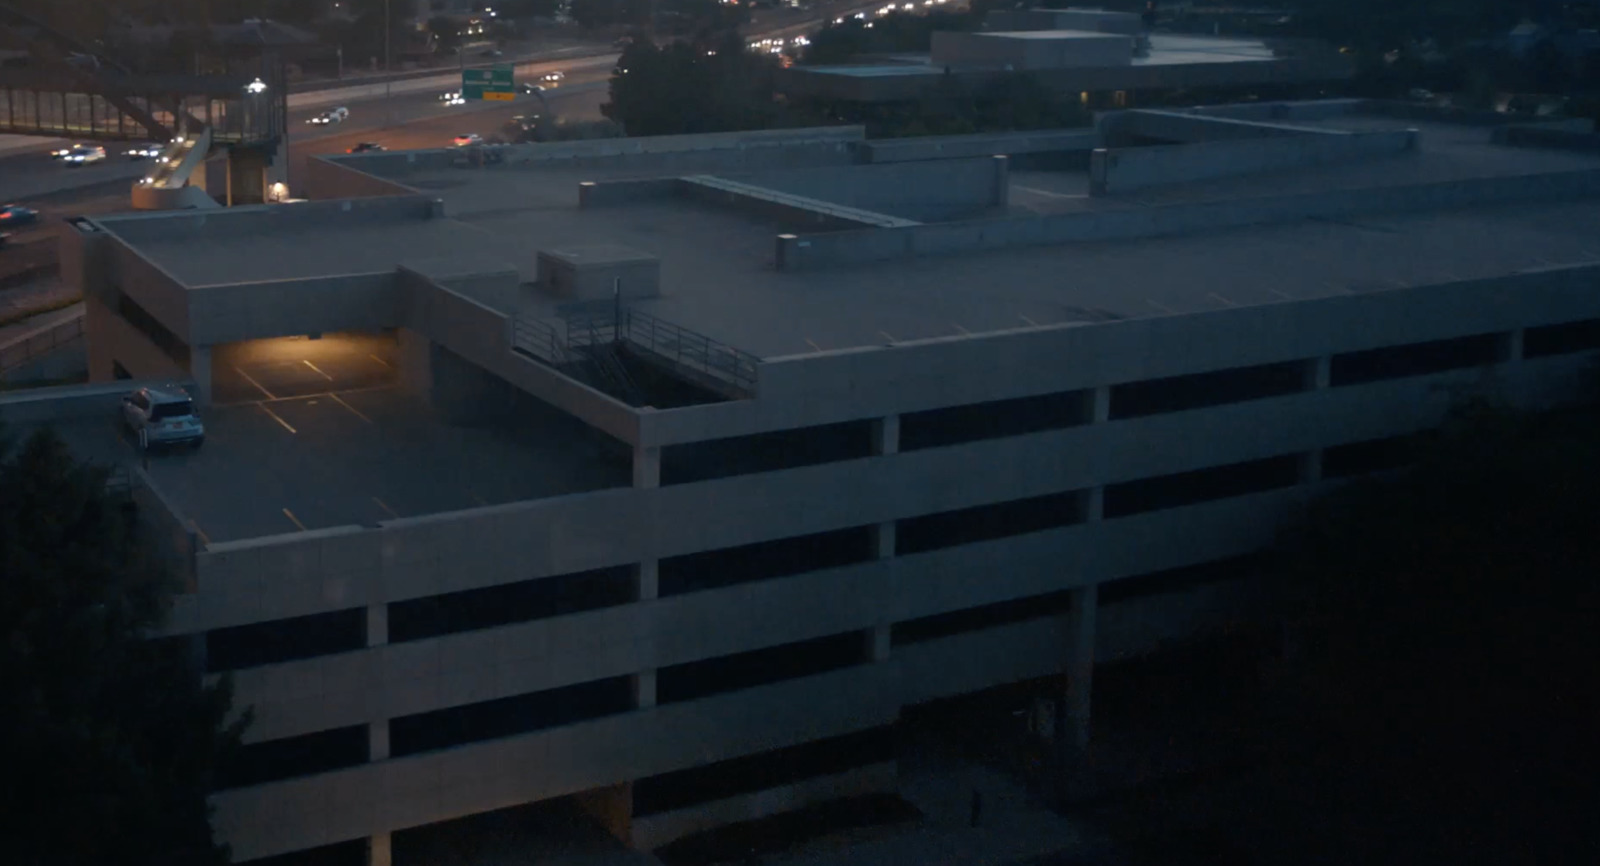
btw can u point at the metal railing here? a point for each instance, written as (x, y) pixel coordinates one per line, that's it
(39, 342)
(540, 339)
(691, 352)
(592, 327)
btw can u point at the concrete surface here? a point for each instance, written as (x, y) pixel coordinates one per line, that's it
(333, 457)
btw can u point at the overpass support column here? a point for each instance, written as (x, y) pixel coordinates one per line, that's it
(200, 372)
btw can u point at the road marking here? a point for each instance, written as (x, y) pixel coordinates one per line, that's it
(1286, 296)
(959, 328)
(887, 336)
(476, 498)
(265, 408)
(204, 538)
(248, 378)
(1028, 320)
(295, 520)
(352, 409)
(1162, 307)
(385, 507)
(319, 371)
(1221, 299)
(380, 360)
(1036, 190)
(813, 344)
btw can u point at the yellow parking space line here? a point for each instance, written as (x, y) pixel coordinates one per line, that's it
(318, 369)
(385, 507)
(251, 380)
(276, 417)
(295, 520)
(353, 410)
(379, 360)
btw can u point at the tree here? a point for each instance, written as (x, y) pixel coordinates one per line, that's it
(681, 88)
(446, 33)
(1374, 27)
(107, 735)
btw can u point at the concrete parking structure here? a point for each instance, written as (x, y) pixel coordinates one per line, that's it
(754, 476)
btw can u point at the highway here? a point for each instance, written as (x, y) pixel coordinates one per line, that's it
(410, 117)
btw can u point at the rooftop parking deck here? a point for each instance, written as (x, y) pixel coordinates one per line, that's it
(717, 263)
(322, 446)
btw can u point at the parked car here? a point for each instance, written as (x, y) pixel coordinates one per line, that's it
(17, 215)
(85, 155)
(162, 416)
(366, 147)
(468, 140)
(143, 151)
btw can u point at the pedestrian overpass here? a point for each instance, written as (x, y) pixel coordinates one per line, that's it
(67, 90)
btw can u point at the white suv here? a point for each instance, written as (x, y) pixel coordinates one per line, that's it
(162, 416)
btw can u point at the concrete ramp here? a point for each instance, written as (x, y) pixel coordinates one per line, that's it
(166, 186)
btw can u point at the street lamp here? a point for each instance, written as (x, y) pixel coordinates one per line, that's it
(257, 86)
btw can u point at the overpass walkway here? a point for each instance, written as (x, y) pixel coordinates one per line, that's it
(66, 89)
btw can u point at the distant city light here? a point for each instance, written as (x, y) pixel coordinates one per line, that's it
(257, 86)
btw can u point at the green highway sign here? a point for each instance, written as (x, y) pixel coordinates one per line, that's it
(493, 83)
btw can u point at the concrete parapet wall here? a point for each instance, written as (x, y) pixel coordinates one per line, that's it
(653, 831)
(42, 405)
(284, 308)
(1119, 127)
(1122, 169)
(957, 146)
(1313, 109)
(821, 145)
(855, 247)
(600, 193)
(1579, 136)
(793, 210)
(335, 179)
(918, 190)
(250, 220)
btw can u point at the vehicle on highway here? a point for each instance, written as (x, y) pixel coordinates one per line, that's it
(162, 416)
(332, 115)
(143, 151)
(5, 238)
(553, 79)
(468, 140)
(17, 215)
(491, 52)
(452, 99)
(366, 147)
(529, 89)
(62, 153)
(84, 154)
